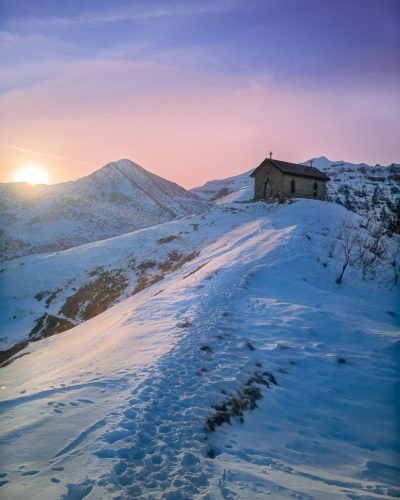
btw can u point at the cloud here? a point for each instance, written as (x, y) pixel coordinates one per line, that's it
(131, 13)
(44, 155)
(190, 126)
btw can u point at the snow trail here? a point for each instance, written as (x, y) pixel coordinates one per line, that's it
(126, 396)
(159, 446)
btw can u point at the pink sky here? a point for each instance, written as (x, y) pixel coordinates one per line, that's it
(196, 90)
(200, 127)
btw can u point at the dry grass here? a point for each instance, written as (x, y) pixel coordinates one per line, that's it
(245, 399)
(48, 325)
(167, 239)
(96, 296)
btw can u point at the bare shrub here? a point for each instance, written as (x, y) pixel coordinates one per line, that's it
(348, 243)
(167, 239)
(245, 399)
(365, 247)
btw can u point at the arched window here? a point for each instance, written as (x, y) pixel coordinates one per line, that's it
(292, 186)
(315, 190)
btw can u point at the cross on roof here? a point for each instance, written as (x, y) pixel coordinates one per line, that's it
(270, 155)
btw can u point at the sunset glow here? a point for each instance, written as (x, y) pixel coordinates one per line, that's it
(197, 90)
(31, 174)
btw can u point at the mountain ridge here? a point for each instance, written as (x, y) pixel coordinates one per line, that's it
(365, 189)
(116, 199)
(245, 370)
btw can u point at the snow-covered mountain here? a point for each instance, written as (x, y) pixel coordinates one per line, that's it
(233, 365)
(241, 185)
(119, 198)
(362, 188)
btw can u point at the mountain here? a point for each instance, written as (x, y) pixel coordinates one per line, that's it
(241, 371)
(362, 188)
(119, 198)
(241, 185)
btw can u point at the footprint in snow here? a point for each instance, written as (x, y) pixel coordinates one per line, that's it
(30, 473)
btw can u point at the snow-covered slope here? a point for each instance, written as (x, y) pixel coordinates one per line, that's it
(49, 293)
(241, 185)
(361, 188)
(119, 198)
(134, 403)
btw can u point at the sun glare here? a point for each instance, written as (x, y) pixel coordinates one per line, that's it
(31, 174)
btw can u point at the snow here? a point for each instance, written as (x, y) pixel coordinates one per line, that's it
(62, 273)
(215, 190)
(119, 198)
(116, 407)
(365, 189)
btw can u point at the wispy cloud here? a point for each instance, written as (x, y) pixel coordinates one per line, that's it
(44, 155)
(133, 14)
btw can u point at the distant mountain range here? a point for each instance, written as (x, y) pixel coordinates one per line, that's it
(122, 197)
(119, 198)
(361, 188)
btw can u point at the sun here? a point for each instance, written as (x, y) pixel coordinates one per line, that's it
(32, 174)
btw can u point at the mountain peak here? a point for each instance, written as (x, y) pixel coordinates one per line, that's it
(118, 198)
(320, 162)
(124, 164)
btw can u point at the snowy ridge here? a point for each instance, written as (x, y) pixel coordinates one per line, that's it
(126, 395)
(219, 189)
(107, 271)
(119, 198)
(362, 188)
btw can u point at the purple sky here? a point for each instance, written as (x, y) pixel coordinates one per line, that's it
(197, 90)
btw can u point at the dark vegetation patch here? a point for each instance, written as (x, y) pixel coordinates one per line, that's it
(45, 326)
(11, 360)
(6, 354)
(220, 193)
(201, 371)
(211, 453)
(206, 348)
(144, 281)
(174, 261)
(195, 270)
(232, 210)
(50, 296)
(96, 296)
(250, 346)
(167, 239)
(146, 265)
(48, 325)
(245, 399)
(341, 360)
(184, 324)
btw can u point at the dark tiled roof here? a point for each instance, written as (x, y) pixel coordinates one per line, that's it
(292, 169)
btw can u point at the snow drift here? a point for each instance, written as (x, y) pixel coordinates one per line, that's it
(118, 406)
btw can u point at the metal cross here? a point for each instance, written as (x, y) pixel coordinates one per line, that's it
(270, 155)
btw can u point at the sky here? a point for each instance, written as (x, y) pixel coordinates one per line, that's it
(196, 90)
